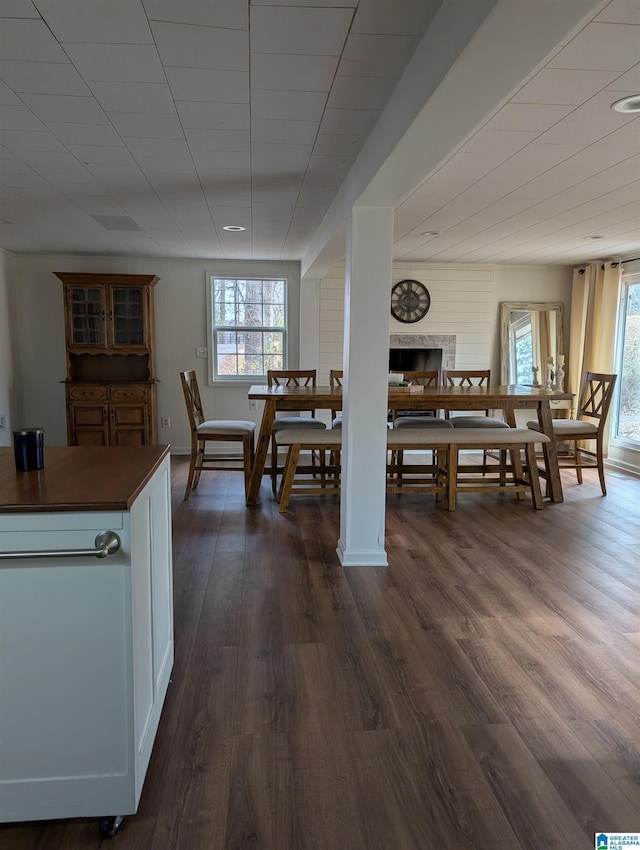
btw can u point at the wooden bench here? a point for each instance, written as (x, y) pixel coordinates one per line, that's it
(444, 475)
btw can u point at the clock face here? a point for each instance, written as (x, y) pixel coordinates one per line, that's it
(410, 301)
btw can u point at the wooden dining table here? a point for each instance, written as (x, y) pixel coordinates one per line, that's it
(497, 397)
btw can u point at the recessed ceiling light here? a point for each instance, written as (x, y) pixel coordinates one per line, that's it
(235, 228)
(430, 233)
(627, 104)
(593, 237)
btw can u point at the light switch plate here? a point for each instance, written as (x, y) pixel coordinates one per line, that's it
(201, 351)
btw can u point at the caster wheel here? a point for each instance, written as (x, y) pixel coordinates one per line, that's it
(107, 827)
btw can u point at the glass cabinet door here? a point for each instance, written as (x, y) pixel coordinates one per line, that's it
(87, 316)
(128, 316)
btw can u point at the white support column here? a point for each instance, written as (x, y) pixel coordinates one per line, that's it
(366, 364)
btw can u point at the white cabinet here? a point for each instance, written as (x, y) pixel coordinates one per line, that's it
(86, 651)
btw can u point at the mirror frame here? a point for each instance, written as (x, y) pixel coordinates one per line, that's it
(506, 308)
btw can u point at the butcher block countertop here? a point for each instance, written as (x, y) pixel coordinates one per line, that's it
(78, 478)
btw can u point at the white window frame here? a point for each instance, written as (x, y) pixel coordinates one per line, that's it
(632, 278)
(214, 378)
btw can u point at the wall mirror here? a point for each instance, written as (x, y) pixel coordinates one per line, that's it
(531, 332)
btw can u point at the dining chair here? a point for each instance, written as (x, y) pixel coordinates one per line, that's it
(473, 378)
(291, 378)
(205, 431)
(595, 398)
(335, 381)
(408, 418)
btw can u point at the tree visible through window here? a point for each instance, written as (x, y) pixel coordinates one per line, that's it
(249, 326)
(628, 413)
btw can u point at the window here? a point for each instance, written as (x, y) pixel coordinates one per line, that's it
(248, 327)
(627, 408)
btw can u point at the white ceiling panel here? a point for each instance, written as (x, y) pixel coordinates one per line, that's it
(187, 46)
(55, 107)
(146, 126)
(29, 41)
(185, 116)
(85, 134)
(228, 14)
(146, 98)
(117, 63)
(111, 21)
(292, 73)
(287, 105)
(298, 30)
(43, 77)
(213, 116)
(207, 85)
(586, 51)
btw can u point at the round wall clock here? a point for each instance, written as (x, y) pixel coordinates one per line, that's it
(410, 301)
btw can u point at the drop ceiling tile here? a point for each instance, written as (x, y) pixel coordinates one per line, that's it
(286, 132)
(147, 98)
(101, 153)
(601, 47)
(327, 170)
(376, 55)
(337, 145)
(58, 107)
(146, 126)
(115, 21)
(213, 116)
(85, 134)
(506, 141)
(167, 148)
(97, 204)
(315, 197)
(92, 189)
(292, 73)
(222, 160)
(218, 140)
(227, 194)
(20, 181)
(43, 77)
(18, 9)
(564, 86)
(300, 31)
(287, 105)
(211, 173)
(347, 121)
(402, 17)
(229, 14)
(207, 85)
(29, 41)
(19, 118)
(628, 82)
(275, 201)
(360, 93)
(25, 140)
(62, 175)
(620, 12)
(8, 97)
(172, 165)
(187, 46)
(35, 159)
(280, 154)
(527, 117)
(115, 63)
(230, 215)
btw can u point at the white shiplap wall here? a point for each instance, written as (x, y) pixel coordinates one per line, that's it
(462, 303)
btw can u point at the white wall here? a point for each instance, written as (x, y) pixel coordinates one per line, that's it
(8, 390)
(180, 311)
(465, 301)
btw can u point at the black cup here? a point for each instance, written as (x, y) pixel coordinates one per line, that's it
(28, 446)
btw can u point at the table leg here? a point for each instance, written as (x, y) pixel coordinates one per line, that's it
(550, 452)
(510, 419)
(262, 448)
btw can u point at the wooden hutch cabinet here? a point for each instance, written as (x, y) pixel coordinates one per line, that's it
(111, 379)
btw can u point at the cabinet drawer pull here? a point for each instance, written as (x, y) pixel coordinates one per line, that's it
(106, 543)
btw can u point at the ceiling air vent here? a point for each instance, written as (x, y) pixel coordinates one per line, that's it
(116, 222)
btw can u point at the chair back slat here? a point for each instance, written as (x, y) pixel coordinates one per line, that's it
(293, 378)
(335, 378)
(466, 377)
(595, 396)
(425, 377)
(192, 398)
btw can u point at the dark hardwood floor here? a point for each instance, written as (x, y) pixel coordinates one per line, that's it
(483, 691)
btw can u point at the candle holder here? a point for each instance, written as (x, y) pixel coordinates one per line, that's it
(536, 382)
(549, 377)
